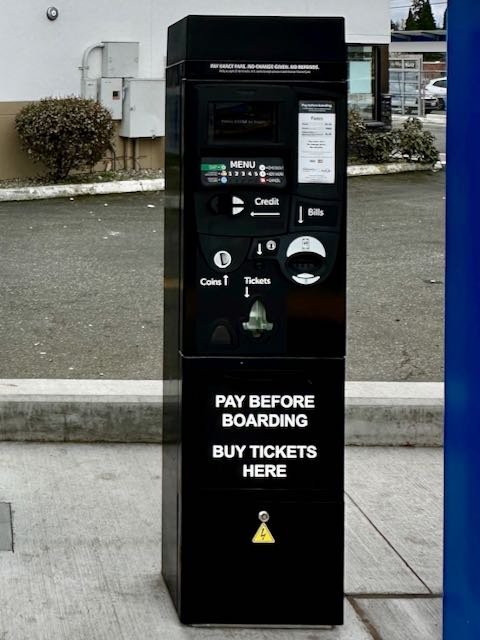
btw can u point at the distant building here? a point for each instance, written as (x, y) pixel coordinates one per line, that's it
(416, 58)
(433, 43)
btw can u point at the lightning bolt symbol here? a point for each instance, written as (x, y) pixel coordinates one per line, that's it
(263, 533)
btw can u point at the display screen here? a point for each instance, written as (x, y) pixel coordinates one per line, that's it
(243, 122)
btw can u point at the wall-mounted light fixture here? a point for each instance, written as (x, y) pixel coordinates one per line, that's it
(52, 13)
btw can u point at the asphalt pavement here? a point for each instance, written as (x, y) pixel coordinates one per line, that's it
(396, 249)
(81, 283)
(436, 123)
(82, 287)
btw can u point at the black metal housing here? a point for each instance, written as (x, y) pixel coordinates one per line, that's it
(255, 279)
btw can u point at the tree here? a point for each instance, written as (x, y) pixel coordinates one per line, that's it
(425, 19)
(420, 16)
(410, 24)
(445, 19)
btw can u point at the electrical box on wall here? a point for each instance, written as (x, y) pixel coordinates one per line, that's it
(120, 59)
(144, 108)
(110, 96)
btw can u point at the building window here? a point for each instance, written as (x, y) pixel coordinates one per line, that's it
(362, 72)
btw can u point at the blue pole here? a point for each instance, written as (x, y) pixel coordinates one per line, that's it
(462, 350)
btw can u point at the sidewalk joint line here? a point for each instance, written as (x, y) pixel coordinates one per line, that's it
(388, 542)
(11, 526)
(365, 620)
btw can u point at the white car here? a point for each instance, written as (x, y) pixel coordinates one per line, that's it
(410, 103)
(438, 88)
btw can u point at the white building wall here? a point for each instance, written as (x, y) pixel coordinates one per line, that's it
(42, 58)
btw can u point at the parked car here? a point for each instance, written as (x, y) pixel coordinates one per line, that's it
(438, 88)
(431, 101)
(411, 103)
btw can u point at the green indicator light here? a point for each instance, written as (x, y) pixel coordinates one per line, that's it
(213, 167)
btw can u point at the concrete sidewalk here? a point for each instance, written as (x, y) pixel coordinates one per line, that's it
(86, 534)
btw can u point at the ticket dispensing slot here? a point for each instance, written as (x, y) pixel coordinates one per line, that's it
(257, 323)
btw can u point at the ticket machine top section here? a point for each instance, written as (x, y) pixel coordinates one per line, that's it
(273, 39)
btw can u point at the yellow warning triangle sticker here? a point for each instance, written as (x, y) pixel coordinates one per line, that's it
(263, 535)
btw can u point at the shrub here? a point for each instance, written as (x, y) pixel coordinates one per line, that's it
(415, 144)
(410, 142)
(65, 133)
(357, 130)
(366, 145)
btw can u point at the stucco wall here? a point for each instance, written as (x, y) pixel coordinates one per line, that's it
(42, 58)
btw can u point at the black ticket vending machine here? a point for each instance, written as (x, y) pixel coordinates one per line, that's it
(253, 524)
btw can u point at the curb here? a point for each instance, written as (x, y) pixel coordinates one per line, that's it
(391, 167)
(158, 184)
(394, 413)
(377, 413)
(69, 190)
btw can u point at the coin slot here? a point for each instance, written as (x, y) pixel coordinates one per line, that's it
(222, 259)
